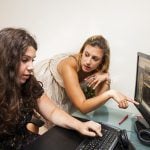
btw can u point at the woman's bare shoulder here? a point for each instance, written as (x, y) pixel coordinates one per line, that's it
(71, 61)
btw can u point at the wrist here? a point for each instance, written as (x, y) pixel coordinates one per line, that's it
(110, 93)
(78, 125)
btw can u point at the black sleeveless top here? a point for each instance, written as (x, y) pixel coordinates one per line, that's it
(20, 136)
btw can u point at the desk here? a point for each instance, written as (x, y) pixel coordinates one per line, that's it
(107, 114)
(57, 139)
(110, 114)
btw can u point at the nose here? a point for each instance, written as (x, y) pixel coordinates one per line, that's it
(30, 67)
(88, 61)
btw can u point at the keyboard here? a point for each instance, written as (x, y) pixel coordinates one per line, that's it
(108, 141)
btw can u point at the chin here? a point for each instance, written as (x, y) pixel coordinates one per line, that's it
(85, 70)
(22, 81)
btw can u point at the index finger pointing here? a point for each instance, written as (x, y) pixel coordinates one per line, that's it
(132, 101)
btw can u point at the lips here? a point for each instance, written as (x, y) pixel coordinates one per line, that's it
(86, 68)
(25, 77)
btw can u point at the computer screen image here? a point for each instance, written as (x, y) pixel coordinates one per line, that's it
(142, 87)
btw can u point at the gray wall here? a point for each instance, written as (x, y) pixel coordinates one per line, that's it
(63, 26)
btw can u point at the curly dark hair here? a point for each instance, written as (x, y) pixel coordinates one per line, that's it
(13, 96)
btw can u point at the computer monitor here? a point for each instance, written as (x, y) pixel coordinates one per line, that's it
(142, 87)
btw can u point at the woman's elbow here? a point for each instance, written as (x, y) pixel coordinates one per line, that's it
(83, 110)
(82, 107)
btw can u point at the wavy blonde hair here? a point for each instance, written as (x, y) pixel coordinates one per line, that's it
(101, 42)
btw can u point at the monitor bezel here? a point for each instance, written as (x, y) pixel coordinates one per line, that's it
(140, 107)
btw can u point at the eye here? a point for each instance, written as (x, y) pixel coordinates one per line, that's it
(24, 60)
(86, 54)
(96, 58)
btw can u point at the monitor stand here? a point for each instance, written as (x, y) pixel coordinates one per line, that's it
(142, 122)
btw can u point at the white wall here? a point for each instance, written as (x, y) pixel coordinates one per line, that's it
(63, 25)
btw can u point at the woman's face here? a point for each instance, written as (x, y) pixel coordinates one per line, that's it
(26, 65)
(91, 58)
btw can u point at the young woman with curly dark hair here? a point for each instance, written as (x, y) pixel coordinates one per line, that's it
(21, 94)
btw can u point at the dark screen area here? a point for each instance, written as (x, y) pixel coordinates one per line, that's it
(142, 87)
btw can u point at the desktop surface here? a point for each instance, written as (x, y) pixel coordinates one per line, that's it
(62, 139)
(111, 115)
(58, 138)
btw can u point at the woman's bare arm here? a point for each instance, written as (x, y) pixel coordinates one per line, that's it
(59, 117)
(69, 75)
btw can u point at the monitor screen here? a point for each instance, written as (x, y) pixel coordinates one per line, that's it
(142, 87)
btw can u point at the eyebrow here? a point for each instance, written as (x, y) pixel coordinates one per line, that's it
(28, 56)
(94, 55)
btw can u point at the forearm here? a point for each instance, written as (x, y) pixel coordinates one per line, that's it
(97, 101)
(89, 128)
(61, 118)
(91, 104)
(52, 113)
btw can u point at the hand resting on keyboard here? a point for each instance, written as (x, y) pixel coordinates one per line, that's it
(109, 141)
